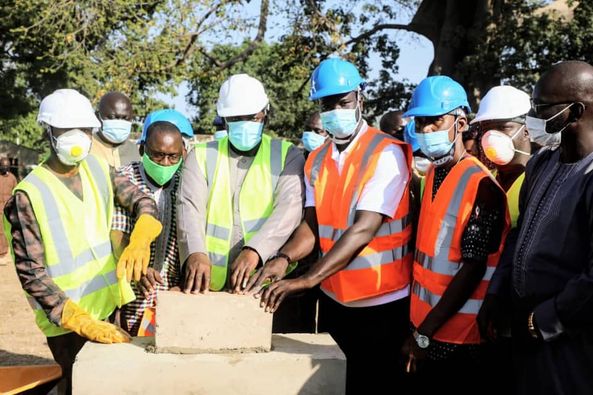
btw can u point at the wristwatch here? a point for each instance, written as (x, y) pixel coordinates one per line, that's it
(422, 340)
(531, 326)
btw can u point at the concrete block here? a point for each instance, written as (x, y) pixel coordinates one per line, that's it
(211, 323)
(304, 364)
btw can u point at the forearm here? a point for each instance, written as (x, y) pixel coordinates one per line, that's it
(47, 294)
(192, 200)
(131, 198)
(457, 293)
(30, 259)
(301, 243)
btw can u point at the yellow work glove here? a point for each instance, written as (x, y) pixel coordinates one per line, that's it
(77, 320)
(133, 262)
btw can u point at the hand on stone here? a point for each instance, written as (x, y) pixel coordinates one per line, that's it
(272, 271)
(273, 295)
(242, 268)
(197, 274)
(149, 281)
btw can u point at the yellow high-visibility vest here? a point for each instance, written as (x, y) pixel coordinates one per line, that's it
(75, 235)
(513, 199)
(256, 198)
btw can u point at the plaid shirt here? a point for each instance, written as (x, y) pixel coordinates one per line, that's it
(27, 244)
(164, 256)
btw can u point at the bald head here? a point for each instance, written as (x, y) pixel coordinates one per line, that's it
(563, 96)
(115, 105)
(570, 81)
(4, 165)
(392, 123)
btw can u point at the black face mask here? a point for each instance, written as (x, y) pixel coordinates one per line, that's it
(4, 169)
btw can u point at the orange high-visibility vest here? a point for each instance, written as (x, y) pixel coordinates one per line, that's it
(385, 264)
(148, 323)
(438, 249)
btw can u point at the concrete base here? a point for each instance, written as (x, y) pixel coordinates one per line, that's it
(302, 364)
(211, 323)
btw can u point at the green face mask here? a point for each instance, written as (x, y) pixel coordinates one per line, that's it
(160, 174)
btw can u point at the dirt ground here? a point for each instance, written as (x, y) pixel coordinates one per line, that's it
(21, 342)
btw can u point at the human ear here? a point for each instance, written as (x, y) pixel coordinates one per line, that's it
(576, 111)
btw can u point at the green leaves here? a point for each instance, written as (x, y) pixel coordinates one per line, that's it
(149, 47)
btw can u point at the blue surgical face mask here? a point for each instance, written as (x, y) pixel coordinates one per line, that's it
(340, 123)
(220, 134)
(244, 135)
(311, 140)
(436, 144)
(116, 130)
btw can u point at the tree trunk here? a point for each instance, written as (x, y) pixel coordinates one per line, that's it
(456, 29)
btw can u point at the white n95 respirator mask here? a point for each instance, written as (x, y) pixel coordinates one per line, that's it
(71, 147)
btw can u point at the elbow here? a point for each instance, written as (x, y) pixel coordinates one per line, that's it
(364, 234)
(309, 242)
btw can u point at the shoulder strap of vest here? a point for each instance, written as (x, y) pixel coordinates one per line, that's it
(469, 167)
(100, 174)
(373, 142)
(315, 161)
(278, 147)
(212, 148)
(277, 159)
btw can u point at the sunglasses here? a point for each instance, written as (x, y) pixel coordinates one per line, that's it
(538, 108)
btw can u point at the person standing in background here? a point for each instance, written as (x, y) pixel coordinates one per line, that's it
(314, 135)
(393, 123)
(7, 184)
(111, 142)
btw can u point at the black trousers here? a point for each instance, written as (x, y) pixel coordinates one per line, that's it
(297, 313)
(64, 349)
(371, 338)
(461, 372)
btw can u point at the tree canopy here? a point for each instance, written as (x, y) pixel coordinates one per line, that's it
(145, 47)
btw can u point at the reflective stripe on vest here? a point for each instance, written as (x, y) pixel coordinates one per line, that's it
(471, 306)
(446, 267)
(97, 283)
(262, 178)
(440, 263)
(440, 230)
(384, 264)
(77, 252)
(386, 229)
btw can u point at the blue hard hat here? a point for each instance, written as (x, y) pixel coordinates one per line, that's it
(435, 96)
(218, 121)
(410, 135)
(171, 116)
(334, 76)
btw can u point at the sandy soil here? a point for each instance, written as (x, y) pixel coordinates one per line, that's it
(21, 342)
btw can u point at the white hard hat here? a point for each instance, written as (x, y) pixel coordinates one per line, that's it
(66, 108)
(503, 102)
(241, 95)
